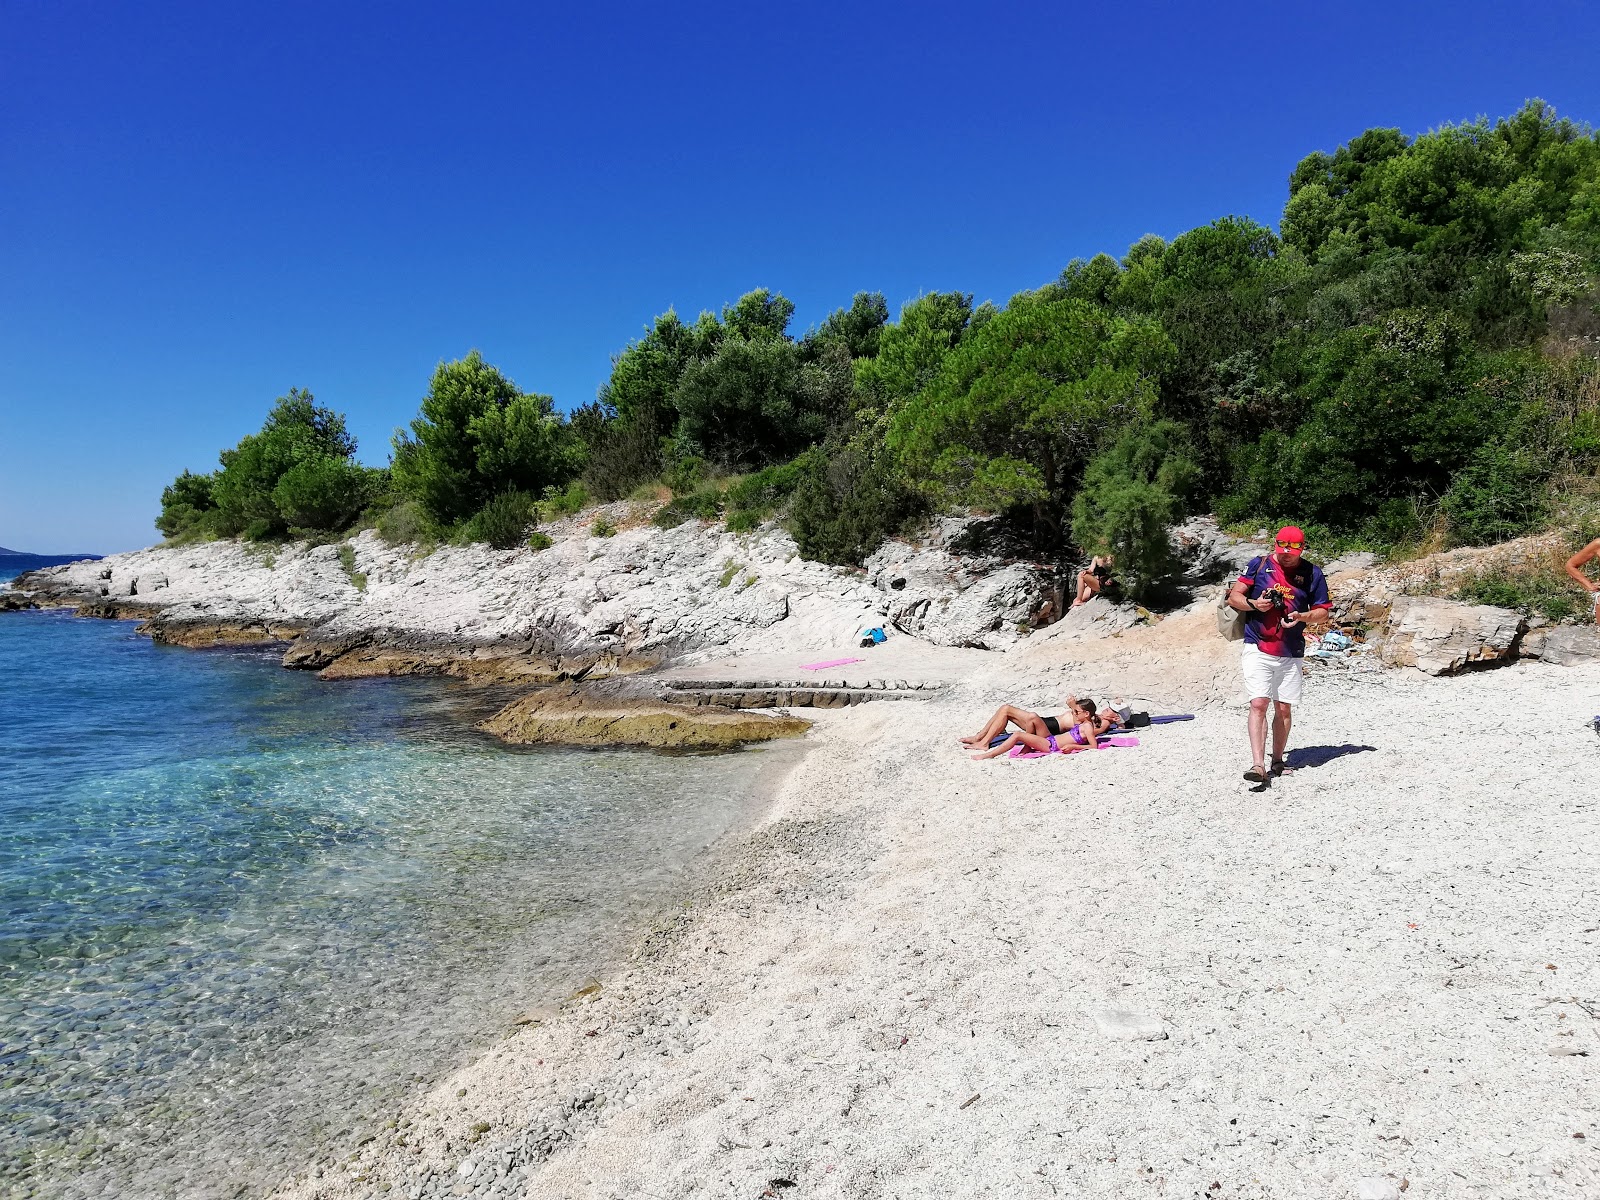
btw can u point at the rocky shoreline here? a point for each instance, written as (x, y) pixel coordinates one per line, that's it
(586, 610)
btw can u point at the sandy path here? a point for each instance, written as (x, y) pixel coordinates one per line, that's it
(1361, 973)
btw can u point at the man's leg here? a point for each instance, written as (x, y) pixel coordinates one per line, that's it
(1258, 733)
(1282, 718)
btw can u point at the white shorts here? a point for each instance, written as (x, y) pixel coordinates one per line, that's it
(1271, 676)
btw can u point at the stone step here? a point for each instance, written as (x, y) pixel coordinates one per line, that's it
(813, 697)
(804, 685)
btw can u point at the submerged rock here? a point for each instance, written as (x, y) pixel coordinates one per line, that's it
(573, 718)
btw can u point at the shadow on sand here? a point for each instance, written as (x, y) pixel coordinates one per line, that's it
(1318, 756)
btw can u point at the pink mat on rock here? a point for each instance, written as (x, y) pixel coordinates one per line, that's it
(832, 662)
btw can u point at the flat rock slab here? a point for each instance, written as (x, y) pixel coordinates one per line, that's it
(1124, 1025)
(565, 720)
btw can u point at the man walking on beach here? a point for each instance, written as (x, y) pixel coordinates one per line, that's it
(1279, 594)
(1575, 566)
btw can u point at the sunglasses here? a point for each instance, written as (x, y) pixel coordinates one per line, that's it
(1291, 545)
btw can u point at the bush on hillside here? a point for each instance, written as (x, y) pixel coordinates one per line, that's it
(1497, 495)
(847, 501)
(504, 521)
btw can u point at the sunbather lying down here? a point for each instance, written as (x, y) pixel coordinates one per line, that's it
(1076, 732)
(1008, 715)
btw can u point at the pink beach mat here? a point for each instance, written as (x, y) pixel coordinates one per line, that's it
(832, 662)
(1024, 752)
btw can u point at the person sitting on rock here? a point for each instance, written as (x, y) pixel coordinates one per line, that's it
(1028, 722)
(1081, 731)
(1095, 580)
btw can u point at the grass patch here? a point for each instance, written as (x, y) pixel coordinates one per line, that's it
(1534, 590)
(347, 562)
(729, 570)
(603, 527)
(539, 541)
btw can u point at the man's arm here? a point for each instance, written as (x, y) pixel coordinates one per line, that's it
(1239, 598)
(1581, 559)
(1319, 607)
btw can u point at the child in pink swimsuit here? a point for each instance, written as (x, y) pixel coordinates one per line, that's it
(1083, 735)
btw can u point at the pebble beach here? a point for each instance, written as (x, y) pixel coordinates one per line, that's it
(1118, 973)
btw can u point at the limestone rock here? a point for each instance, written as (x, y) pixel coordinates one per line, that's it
(560, 717)
(1564, 645)
(1442, 637)
(1375, 1187)
(582, 607)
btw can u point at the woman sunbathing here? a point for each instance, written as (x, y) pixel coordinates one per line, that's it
(1081, 732)
(1029, 722)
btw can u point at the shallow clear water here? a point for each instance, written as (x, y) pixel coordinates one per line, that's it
(242, 910)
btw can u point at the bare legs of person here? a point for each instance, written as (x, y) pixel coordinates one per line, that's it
(1282, 719)
(1031, 740)
(1007, 714)
(1088, 588)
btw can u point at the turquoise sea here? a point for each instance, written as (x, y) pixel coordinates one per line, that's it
(244, 911)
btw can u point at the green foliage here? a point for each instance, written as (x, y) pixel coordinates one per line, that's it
(911, 351)
(857, 329)
(478, 438)
(1018, 408)
(406, 523)
(347, 563)
(1497, 495)
(296, 432)
(561, 502)
(744, 406)
(1131, 492)
(1539, 590)
(705, 504)
(325, 493)
(603, 527)
(539, 541)
(503, 522)
(848, 498)
(621, 453)
(186, 506)
(729, 570)
(685, 476)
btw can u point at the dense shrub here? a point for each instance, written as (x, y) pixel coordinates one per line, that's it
(1131, 493)
(406, 523)
(620, 452)
(478, 437)
(561, 502)
(186, 506)
(1497, 495)
(504, 521)
(847, 500)
(324, 493)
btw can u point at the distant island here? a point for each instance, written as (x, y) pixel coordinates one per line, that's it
(5, 553)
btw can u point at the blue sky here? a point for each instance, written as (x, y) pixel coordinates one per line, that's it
(203, 205)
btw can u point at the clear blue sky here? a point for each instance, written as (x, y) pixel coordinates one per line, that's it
(203, 205)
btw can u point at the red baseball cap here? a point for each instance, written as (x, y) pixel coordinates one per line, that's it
(1292, 533)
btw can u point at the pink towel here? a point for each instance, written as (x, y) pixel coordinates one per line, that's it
(1025, 752)
(833, 662)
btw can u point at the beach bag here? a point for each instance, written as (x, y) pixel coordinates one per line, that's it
(1230, 622)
